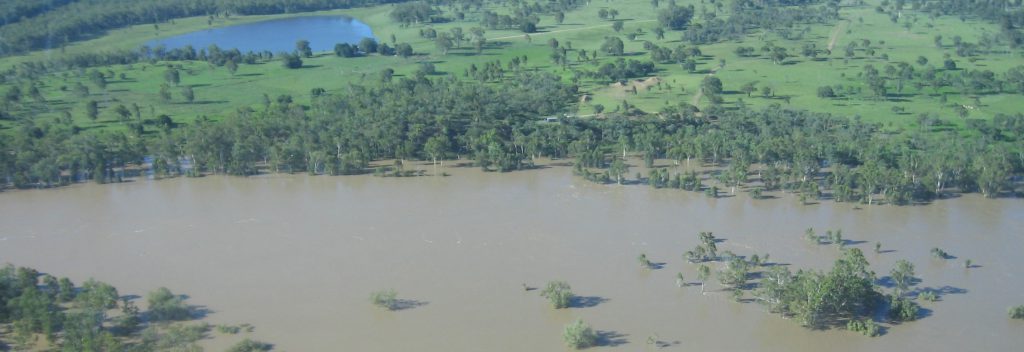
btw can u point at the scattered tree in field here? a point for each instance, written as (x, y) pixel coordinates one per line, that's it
(679, 280)
(302, 47)
(613, 46)
(617, 26)
(403, 50)
(579, 335)
(291, 61)
(165, 92)
(231, 66)
(368, 45)
(826, 92)
(559, 293)
(92, 110)
(675, 17)
(172, 76)
(188, 94)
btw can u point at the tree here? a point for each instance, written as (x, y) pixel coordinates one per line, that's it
(559, 293)
(172, 76)
(92, 110)
(404, 50)
(98, 79)
(122, 112)
(165, 92)
(617, 169)
(302, 47)
(613, 13)
(675, 17)
(345, 50)
(902, 277)
(613, 46)
(579, 335)
(659, 33)
(559, 17)
(617, 26)
(231, 66)
(80, 90)
(748, 88)
(826, 92)
(386, 75)
(291, 61)
(368, 45)
(188, 94)
(703, 273)
(711, 85)
(443, 43)
(437, 146)
(602, 13)
(164, 306)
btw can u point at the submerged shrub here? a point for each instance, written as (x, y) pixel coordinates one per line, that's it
(579, 335)
(903, 309)
(248, 345)
(866, 327)
(559, 293)
(385, 299)
(1017, 312)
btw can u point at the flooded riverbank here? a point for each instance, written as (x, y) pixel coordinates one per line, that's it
(297, 256)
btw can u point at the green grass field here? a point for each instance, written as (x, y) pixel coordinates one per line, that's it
(794, 83)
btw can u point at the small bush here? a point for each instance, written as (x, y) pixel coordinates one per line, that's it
(644, 262)
(928, 296)
(164, 305)
(559, 293)
(248, 345)
(866, 327)
(228, 329)
(939, 253)
(1017, 312)
(385, 299)
(579, 335)
(903, 309)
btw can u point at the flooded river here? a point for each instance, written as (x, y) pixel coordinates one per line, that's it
(297, 256)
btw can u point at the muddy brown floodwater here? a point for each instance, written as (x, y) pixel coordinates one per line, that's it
(297, 256)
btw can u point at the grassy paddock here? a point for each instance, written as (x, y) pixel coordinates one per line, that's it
(795, 83)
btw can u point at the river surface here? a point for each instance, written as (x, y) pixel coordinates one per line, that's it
(297, 256)
(277, 35)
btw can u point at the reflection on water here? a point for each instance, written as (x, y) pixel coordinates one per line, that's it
(275, 36)
(298, 256)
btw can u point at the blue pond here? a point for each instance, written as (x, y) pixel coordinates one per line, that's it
(278, 35)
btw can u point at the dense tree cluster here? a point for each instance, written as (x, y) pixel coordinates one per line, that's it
(746, 15)
(79, 318)
(820, 299)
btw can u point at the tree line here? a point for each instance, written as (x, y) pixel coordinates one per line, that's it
(421, 118)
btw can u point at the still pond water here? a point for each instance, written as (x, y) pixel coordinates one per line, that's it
(278, 35)
(298, 256)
